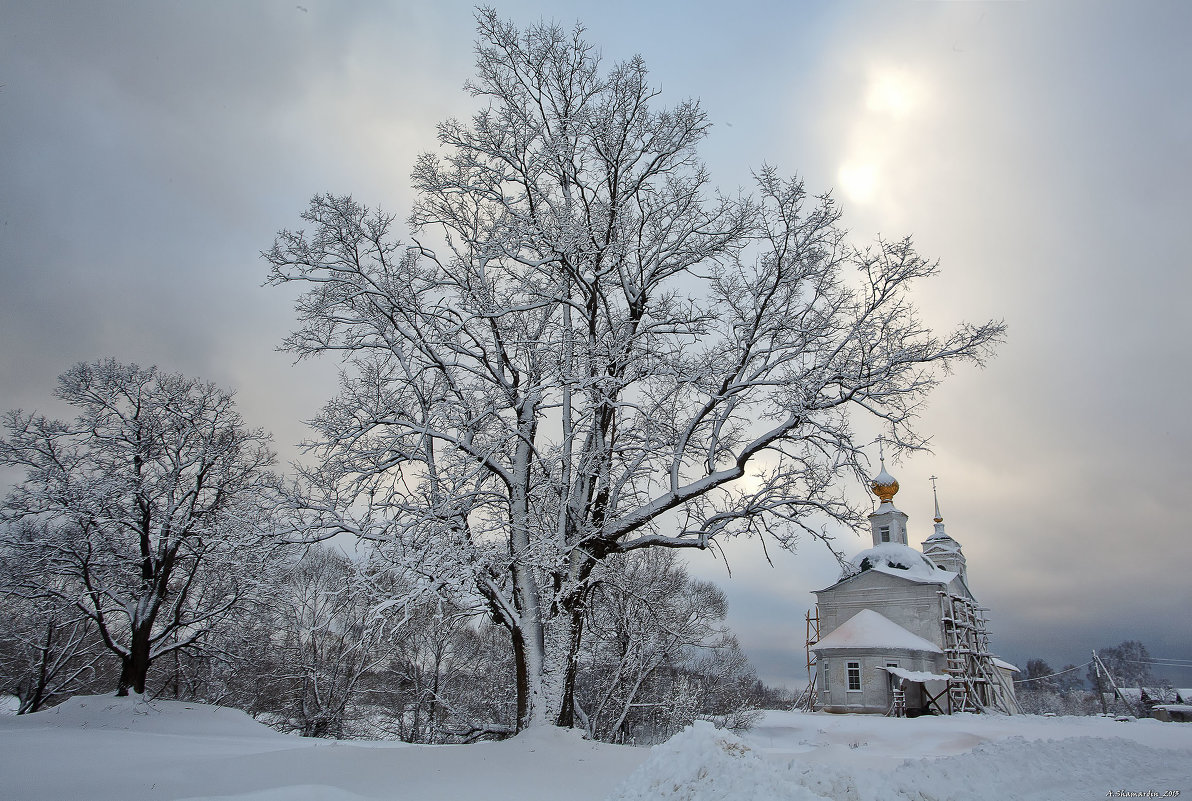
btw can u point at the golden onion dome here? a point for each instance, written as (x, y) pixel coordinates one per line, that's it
(884, 485)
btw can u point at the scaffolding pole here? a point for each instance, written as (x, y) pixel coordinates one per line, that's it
(975, 683)
(807, 698)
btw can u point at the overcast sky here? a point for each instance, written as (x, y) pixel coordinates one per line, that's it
(1041, 151)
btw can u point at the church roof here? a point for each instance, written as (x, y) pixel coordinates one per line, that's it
(896, 559)
(872, 630)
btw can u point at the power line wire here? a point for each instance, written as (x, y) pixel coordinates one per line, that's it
(1049, 675)
(1161, 662)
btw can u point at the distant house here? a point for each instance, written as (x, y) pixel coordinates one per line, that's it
(1163, 703)
(1177, 713)
(900, 631)
(1180, 711)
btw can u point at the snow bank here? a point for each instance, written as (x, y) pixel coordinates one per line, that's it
(702, 763)
(854, 758)
(1079, 768)
(125, 749)
(134, 713)
(109, 749)
(299, 792)
(1054, 770)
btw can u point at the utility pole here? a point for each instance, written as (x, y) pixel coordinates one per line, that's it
(1100, 690)
(1116, 691)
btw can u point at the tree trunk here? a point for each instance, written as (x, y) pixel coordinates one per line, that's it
(566, 717)
(39, 688)
(522, 678)
(134, 668)
(545, 677)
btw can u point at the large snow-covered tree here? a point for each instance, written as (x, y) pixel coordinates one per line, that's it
(151, 504)
(588, 351)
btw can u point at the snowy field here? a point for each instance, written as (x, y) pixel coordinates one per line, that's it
(96, 748)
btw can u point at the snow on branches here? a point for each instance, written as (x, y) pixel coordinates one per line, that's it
(150, 507)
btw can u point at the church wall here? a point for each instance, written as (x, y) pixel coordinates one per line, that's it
(874, 697)
(915, 607)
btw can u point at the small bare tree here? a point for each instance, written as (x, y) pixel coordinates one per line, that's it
(48, 651)
(589, 352)
(327, 642)
(645, 616)
(450, 678)
(152, 503)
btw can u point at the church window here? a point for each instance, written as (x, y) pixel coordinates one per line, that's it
(854, 675)
(885, 532)
(825, 674)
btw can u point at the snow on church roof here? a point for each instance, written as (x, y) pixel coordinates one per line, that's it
(944, 538)
(914, 675)
(897, 559)
(884, 479)
(870, 629)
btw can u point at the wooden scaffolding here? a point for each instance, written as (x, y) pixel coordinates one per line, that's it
(807, 698)
(975, 683)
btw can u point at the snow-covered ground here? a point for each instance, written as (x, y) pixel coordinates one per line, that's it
(106, 748)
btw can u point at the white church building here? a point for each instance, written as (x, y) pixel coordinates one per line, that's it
(900, 632)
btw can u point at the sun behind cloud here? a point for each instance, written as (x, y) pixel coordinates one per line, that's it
(876, 138)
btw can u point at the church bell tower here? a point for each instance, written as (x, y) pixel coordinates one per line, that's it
(941, 548)
(887, 524)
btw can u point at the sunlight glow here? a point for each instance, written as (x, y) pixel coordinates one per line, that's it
(881, 139)
(859, 181)
(893, 92)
